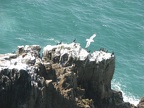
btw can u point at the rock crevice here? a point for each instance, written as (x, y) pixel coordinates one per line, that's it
(66, 76)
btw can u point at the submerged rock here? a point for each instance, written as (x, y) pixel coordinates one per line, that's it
(67, 76)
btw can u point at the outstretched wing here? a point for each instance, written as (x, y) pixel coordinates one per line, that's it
(87, 44)
(93, 36)
(87, 40)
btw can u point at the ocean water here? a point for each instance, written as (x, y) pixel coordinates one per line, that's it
(119, 26)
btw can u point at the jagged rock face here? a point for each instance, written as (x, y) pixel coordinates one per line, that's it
(67, 76)
(96, 78)
(93, 72)
(20, 82)
(141, 103)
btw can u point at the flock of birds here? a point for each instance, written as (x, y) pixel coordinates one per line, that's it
(91, 39)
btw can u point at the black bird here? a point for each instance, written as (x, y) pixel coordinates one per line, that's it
(89, 51)
(59, 43)
(101, 49)
(112, 53)
(74, 40)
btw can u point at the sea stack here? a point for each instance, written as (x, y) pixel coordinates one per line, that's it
(66, 76)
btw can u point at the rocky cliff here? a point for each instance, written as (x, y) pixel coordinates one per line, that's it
(66, 76)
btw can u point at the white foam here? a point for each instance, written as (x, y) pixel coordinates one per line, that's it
(20, 39)
(52, 39)
(127, 96)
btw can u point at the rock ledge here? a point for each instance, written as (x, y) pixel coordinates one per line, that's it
(66, 76)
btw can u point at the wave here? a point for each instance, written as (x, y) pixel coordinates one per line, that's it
(20, 39)
(54, 40)
(127, 96)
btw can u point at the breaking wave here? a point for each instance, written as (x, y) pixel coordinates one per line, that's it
(127, 96)
(20, 39)
(52, 39)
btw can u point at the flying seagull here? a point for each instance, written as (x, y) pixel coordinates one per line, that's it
(90, 40)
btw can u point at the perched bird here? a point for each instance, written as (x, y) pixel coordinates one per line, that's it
(89, 51)
(74, 40)
(59, 43)
(112, 54)
(90, 40)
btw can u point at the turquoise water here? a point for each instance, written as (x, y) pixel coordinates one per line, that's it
(119, 26)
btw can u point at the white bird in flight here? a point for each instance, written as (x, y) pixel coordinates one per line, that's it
(90, 40)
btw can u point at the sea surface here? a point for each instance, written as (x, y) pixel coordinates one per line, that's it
(119, 25)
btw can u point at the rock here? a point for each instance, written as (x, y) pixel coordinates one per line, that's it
(48, 82)
(67, 76)
(20, 50)
(141, 103)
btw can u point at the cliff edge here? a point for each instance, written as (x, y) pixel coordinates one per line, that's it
(65, 76)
